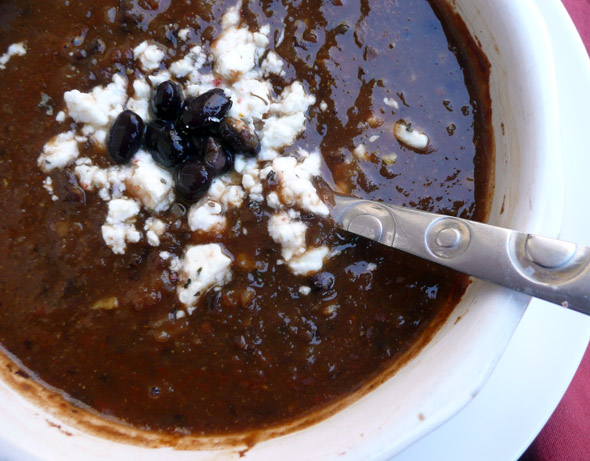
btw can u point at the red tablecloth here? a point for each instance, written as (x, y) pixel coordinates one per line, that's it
(567, 434)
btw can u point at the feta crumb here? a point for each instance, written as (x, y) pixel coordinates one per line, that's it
(295, 186)
(323, 106)
(61, 116)
(183, 34)
(304, 290)
(237, 50)
(202, 267)
(150, 183)
(391, 103)
(251, 99)
(289, 233)
(389, 159)
(206, 216)
(272, 65)
(48, 186)
(411, 137)
(160, 77)
(360, 152)
(154, 229)
(191, 63)
(110, 182)
(59, 152)
(141, 99)
(16, 49)
(293, 100)
(232, 16)
(309, 262)
(99, 107)
(273, 201)
(150, 56)
(287, 122)
(119, 228)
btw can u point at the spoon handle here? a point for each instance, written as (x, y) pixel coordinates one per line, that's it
(542, 267)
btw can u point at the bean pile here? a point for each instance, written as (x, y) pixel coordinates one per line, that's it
(193, 137)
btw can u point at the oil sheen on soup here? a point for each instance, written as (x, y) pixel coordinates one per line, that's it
(193, 282)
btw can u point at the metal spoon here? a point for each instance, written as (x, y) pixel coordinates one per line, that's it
(542, 267)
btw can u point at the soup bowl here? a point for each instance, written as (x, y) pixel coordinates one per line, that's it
(447, 372)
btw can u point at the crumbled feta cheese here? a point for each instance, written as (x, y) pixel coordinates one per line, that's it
(232, 16)
(389, 159)
(279, 132)
(295, 186)
(273, 200)
(309, 262)
(160, 77)
(251, 99)
(223, 191)
(360, 152)
(150, 56)
(293, 100)
(141, 99)
(150, 183)
(183, 34)
(110, 182)
(206, 216)
(59, 152)
(99, 107)
(250, 171)
(154, 228)
(119, 228)
(281, 129)
(191, 63)
(202, 267)
(391, 103)
(48, 186)
(16, 49)
(304, 290)
(323, 106)
(411, 137)
(287, 231)
(61, 116)
(237, 50)
(272, 65)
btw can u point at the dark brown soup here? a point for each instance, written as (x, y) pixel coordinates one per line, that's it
(268, 345)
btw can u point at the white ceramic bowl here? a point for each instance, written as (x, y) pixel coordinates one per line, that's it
(453, 367)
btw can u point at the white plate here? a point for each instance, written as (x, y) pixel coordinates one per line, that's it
(548, 344)
(546, 349)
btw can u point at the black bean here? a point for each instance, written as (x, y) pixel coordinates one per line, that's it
(229, 161)
(214, 156)
(167, 100)
(322, 281)
(152, 133)
(125, 136)
(239, 137)
(196, 143)
(204, 111)
(167, 147)
(193, 179)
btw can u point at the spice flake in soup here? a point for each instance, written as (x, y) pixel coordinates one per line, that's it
(167, 260)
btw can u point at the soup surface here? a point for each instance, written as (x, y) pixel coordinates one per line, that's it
(112, 311)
